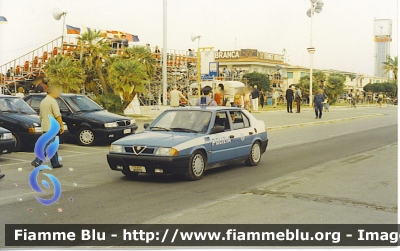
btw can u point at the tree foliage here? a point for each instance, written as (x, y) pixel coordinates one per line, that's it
(62, 70)
(387, 87)
(110, 102)
(333, 84)
(259, 79)
(391, 66)
(95, 50)
(127, 77)
(304, 82)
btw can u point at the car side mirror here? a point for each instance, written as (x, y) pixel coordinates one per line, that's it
(65, 111)
(217, 129)
(146, 125)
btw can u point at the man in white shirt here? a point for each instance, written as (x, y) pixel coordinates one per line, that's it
(175, 97)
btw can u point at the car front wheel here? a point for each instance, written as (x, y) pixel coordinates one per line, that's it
(197, 165)
(255, 155)
(86, 137)
(18, 144)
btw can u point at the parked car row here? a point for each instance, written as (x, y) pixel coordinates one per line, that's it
(84, 121)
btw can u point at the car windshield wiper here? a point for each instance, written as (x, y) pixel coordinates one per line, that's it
(158, 128)
(179, 129)
(12, 111)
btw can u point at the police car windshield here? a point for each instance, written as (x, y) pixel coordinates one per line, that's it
(183, 121)
(15, 105)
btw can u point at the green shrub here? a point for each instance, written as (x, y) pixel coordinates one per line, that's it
(110, 102)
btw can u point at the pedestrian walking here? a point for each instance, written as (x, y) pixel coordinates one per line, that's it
(289, 99)
(49, 106)
(380, 99)
(255, 94)
(262, 98)
(326, 105)
(298, 97)
(206, 97)
(246, 100)
(275, 97)
(318, 103)
(175, 97)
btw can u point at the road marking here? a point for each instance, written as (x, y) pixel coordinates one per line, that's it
(287, 144)
(88, 147)
(15, 196)
(13, 159)
(27, 161)
(340, 134)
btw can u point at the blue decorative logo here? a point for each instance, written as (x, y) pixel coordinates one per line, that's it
(45, 148)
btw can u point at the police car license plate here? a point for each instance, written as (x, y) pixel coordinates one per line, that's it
(127, 131)
(137, 169)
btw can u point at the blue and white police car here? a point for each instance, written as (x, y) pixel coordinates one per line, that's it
(189, 141)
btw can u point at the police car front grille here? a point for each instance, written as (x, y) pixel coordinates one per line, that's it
(129, 149)
(124, 122)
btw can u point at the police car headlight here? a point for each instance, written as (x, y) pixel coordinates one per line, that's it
(7, 135)
(116, 149)
(133, 121)
(166, 151)
(109, 125)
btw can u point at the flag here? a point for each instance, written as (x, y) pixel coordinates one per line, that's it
(73, 30)
(117, 34)
(129, 37)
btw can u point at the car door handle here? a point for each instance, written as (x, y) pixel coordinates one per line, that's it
(232, 136)
(250, 133)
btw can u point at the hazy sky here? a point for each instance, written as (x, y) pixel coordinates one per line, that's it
(343, 31)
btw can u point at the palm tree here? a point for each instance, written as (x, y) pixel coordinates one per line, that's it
(127, 77)
(335, 85)
(64, 71)
(96, 50)
(390, 66)
(143, 55)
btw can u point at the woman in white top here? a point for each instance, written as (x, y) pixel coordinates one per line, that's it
(20, 93)
(275, 97)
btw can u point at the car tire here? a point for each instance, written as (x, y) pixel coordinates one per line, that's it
(130, 174)
(85, 137)
(18, 143)
(255, 155)
(197, 166)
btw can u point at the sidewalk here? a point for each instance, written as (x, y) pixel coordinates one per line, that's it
(278, 119)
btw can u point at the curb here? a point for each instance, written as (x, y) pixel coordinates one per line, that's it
(322, 122)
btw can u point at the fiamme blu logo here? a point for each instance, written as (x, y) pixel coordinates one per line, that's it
(45, 148)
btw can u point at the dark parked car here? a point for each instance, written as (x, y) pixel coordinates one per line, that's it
(7, 142)
(23, 122)
(87, 121)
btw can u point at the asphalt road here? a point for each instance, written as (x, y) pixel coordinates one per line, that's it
(92, 193)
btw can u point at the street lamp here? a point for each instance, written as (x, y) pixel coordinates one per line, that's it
(3, 20)
(164, 53)
(57, 14)
(193, 37)
(316, 6)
